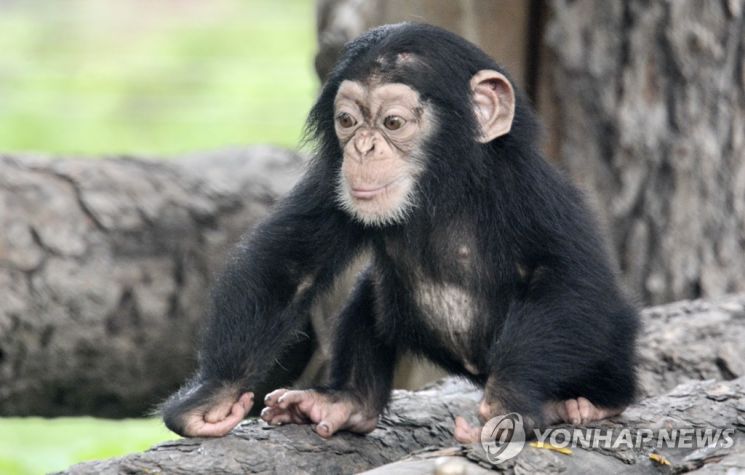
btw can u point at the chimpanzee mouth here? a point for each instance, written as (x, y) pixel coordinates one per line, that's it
(368, 193)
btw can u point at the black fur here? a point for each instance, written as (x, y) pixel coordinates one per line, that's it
(552, 323)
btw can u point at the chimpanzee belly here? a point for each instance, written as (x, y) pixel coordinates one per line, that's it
(438, 277)
(448, 311)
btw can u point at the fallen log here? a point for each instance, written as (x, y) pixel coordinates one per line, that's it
(423, 420)
(105, 266)
(698, 427)
(691, 340)
(682, 343)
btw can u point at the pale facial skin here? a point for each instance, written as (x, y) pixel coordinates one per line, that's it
(381, 128)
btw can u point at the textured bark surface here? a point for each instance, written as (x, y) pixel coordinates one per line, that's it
(104, 271)
(691, 340)
(501, 28)
(651, 118)
(703, 404)
(683, 343)
(415, 420)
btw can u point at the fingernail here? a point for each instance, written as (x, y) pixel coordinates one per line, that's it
(264, 411)
(323, 427)
(267, 398)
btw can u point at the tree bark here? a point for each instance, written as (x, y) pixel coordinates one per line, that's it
(683, 343)
(701, 404)
(501, 28)
(104, 271)
(650, 101)
(691, 340)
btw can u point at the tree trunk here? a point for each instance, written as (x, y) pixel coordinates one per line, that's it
(502, 28)
(683, 343)
(650, 101)
(104, 271)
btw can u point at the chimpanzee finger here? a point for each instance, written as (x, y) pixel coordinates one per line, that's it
(268, 413)
(293, 397)
(287, 418)
(331, 423)
(465, 433)
(572, 411)
(271, 398)
(218, 412)
(281, 419)
(246, 401)
(277, 416)
(221, 428)
(221, 411)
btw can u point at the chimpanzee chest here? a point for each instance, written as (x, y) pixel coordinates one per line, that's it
(440, 284)
(448, 308)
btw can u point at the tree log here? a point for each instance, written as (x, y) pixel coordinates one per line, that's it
(104, 271)
(650, 100)
(691, 340)
(683, 343)
(704, 405)
(422, 422)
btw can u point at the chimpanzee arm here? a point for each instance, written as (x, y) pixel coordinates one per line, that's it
(565, 353)
(362, 362)
(362, 365)
(259, 303)
(597, 365)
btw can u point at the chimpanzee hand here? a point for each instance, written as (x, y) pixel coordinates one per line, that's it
(327, 412)
(218, 419)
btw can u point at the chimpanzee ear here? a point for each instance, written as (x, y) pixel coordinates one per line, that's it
(493, 103)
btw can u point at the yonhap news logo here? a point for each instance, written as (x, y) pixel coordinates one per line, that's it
(504, 437)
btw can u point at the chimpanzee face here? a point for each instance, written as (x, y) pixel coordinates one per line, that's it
(381, 128)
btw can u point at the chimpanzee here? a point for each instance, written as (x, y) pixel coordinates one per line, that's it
(482, 257)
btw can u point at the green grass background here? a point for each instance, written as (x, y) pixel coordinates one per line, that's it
(34, 445)
(154, 76)
(143, 76)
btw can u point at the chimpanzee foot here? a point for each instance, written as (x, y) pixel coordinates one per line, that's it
(465, 433)
(327, 412)
(573, 411)
(577, 411)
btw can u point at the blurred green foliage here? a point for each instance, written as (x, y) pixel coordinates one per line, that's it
(153, 77)
(35, 445)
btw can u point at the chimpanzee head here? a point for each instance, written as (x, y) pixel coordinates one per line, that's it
(402, 101)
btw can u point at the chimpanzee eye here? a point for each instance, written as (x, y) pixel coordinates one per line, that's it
(393, 122)
(346, 120)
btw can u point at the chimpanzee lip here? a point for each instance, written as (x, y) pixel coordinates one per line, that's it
(366, 193)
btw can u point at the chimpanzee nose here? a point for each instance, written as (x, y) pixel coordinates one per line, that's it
(364, 143)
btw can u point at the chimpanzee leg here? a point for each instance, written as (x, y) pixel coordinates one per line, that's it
(360, 378)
